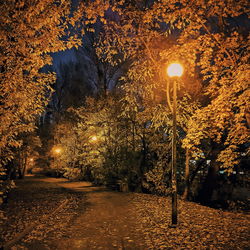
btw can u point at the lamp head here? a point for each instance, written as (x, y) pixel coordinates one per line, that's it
(93, 138)
(57, 150)
(175, 69)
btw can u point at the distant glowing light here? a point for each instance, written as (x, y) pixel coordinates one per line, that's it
(93, 138)
(175, 69)
(57, 150)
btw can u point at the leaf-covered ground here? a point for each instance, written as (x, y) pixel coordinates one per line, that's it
(31, 204)
(95, 218)
(199, 227)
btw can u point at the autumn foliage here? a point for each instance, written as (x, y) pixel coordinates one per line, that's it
(133, 125)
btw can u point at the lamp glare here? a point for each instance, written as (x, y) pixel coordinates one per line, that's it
(175, 69)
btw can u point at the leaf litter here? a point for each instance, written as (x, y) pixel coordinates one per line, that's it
(199, 227)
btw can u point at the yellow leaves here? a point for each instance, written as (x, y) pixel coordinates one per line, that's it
(15, 144)
(229, 158)
(91, 29)
(29, 33)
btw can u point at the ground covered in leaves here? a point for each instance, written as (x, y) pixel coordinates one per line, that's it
(76, 215)
(199, 227)
(31, 206)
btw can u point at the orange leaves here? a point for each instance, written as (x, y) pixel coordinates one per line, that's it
(30, 30)
(200, 227)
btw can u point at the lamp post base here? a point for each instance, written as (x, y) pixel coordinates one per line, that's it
(172, 225)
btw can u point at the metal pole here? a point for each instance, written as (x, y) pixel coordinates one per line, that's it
(174, 179)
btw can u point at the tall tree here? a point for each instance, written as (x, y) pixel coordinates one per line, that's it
(211, 40)
(29, 32)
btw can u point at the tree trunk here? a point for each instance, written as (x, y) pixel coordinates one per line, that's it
(20, 165)
(142, 164)
(24, 167)
(185, 195)
(209, 185)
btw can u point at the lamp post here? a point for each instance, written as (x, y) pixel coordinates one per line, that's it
(174, 70)
(56, 151)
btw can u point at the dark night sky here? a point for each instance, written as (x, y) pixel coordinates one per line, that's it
(63, 57)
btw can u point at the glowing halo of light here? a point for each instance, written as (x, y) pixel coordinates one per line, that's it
(175, 69)
(57, 150)
(93, 138)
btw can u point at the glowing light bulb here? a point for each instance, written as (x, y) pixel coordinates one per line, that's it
(175, 69)
(94, 138)
(58, 150)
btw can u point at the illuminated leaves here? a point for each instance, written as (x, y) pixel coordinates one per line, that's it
(201, 36)
(30, 31)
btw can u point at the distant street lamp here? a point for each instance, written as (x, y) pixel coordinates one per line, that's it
(93, 138)
(57, 150)
(174, 70)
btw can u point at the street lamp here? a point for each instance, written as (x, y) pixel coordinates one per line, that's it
(174, 70)
(93, 138)
(58, 150)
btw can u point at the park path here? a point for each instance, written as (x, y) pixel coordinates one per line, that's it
(76, 215)
(108, 221)
(104, 219)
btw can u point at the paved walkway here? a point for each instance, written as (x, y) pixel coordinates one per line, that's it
(104, 220)
(76, 215)
(107, 222)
